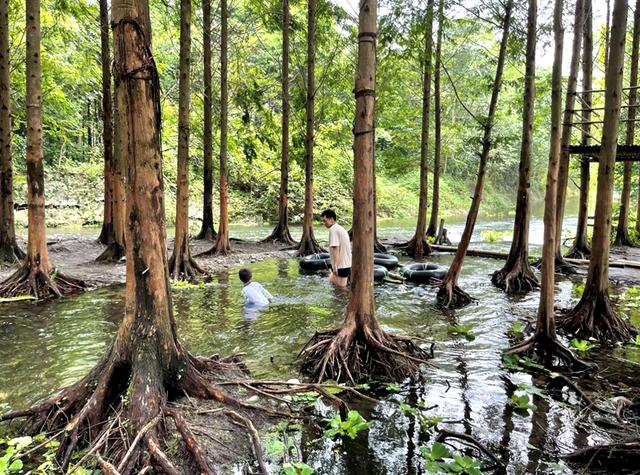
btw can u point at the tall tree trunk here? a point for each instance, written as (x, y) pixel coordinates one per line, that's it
(9, 250)
(146, 365)
(580, 248)
(437, 146)
(106, 235)
(114, 219)
(517, 275)
(360, 349)
(563, 172)
(181, 264)
(418, 245)
(281, 233)
(207, 231)
(34, 277)
(449, 294)
(622, 231)
(222, 246)
(593, 316)
(308, 243)
(545, 340)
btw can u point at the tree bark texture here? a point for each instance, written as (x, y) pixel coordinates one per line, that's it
(181, 264)
(222, 246)
(517, 275)
(207, 231)
(437, 145)
(581, 248)
(114, 175)
(360, 349)
(593, 316)
(34, 277)
(9, 250)
(106, 235)
(622, 230)
(545, 341)
(308, 243)
(572, 82)
(449, 294)
(418, 245)
(281, 232)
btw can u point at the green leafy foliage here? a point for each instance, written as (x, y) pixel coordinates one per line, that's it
(350, 427)
(521, 402)
(494, 236)
(439, 459)
(297, 468)
(581, 346)
(636, 341)
(461, 330)
(516, 330)
(392, 387)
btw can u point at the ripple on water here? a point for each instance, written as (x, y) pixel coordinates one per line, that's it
(46, 345)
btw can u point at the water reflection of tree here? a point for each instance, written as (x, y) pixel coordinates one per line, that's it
(283, 268)
(538, 435)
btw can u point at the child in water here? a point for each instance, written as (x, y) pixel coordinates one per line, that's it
(254, 293)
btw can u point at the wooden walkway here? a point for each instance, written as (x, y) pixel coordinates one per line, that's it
(625, 153)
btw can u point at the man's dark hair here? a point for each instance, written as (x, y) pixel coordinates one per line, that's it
(329, 213)
(245, 275)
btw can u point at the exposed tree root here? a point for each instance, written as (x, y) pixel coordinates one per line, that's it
(90, 411)
(348, 354)
(33, 280)
(451, 296)
(516, 279)
(106, 233)
(113, 253)
(579, 251)
(564, 267)
(378, 246)
(417, 247)
(445, 434)
(184, 267)
(623, 239)
(308, 246)
(594, 317)
(207, 232)
(613, 457)
(280, 235)
(548, 349)
(10, 253)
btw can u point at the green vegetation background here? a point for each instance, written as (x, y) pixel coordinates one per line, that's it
(72, 110)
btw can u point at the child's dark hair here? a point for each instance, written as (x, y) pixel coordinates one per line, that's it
(245, 275)
(329, 213)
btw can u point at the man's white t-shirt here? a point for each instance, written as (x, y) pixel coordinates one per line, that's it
(255, 294)
(338, 236)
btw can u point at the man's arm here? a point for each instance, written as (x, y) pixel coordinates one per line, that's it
(335, 255)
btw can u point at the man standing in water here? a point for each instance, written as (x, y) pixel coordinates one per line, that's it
(339, 249)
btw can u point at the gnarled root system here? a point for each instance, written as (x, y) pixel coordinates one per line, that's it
(119, 412)
(417, 247)
(308, 246)
(594, 317)
(451, 296)
(515, 280)
(549, 350)
(613, 457)
(35, 281)
(347, 354)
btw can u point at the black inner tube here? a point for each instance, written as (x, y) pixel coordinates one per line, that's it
(387, 260)
(422, 272)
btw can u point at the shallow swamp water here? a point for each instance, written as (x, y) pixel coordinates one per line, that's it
(47, 345)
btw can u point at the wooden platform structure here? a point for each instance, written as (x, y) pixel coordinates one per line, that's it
(593, 127)
(625, 153)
